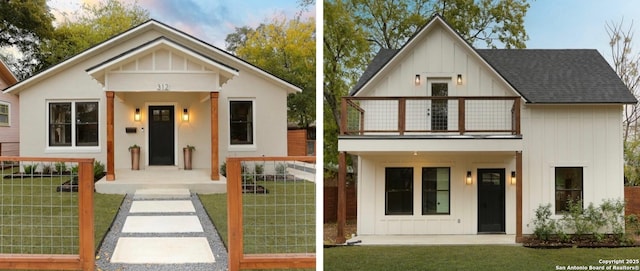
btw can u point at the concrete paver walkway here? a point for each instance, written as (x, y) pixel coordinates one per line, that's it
(162, 230)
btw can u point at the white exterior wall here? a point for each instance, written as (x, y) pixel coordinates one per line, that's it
(437, 55)
(463, 218)
(588, 136)
(74, 84)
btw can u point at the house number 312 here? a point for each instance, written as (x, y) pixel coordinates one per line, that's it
(163, 86)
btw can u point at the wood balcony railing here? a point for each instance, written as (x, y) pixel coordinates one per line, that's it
(478, 115)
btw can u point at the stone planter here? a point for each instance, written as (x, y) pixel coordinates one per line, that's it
(135, 158)
(188, 156)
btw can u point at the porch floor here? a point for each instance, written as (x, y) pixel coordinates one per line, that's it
(165, 177)
(449, 239)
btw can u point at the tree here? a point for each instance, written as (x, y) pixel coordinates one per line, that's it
(94, 24)
(356, 29)
(625, 63)
(23, 26)
(285, 49)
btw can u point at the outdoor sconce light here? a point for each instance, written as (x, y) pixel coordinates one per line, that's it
(468, 180)
(136, 116)
(185, 114)
(459, 80)
(417, 79)
(513, 177)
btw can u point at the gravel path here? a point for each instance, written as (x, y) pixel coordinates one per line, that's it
(108, 245)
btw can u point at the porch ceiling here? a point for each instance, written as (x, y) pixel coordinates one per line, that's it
(408, 145)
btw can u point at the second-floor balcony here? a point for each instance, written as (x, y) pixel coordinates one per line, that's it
(442, 116)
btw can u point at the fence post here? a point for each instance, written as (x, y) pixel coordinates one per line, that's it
(402, 109)
(234, 212)
(461, 116)
(85, 214)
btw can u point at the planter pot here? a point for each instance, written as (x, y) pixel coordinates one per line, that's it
(135, 158)
(188, 156)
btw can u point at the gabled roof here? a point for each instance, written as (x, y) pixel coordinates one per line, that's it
(559, 76)
(539, 76)
(6, 75)
(134, 31)
(99, 70)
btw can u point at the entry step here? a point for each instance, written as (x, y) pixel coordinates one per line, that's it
(167, 193)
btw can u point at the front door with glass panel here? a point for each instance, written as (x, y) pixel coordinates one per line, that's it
(439, 109)
(491, 201)
(161, 135)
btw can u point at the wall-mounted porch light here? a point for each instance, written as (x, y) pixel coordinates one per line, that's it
(459, 79)
(513, 177)
(185, 114)
(417, 80)
(468, 180)
(136, 116)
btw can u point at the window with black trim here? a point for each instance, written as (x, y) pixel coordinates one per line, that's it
(241, 122)
(4, 114)
(435, 190)
(399, 191)
(568, 181)
(73, 124)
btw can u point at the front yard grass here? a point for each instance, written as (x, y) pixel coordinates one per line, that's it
(37, 219)
(468, 257)
(270, 228)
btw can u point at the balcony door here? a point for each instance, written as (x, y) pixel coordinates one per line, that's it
(438, 111)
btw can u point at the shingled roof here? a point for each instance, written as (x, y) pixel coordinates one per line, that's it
(559, 76)
(539, 76)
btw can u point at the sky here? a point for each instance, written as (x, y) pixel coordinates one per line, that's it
(209, 20)
(579, 24)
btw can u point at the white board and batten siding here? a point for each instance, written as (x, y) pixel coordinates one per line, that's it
(587, 136)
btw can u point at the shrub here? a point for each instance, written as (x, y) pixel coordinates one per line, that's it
(29, 169)
(61, 167)
(74, 170)
(47, 169)
(281, 169)
(544, 225)
(223, 169)
(98, 169)
(259, 169)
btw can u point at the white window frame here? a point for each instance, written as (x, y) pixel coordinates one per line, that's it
(242, 147)
(73, 148)
(8, 124)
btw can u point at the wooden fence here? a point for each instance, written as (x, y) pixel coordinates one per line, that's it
(81, 259)
(285, 212)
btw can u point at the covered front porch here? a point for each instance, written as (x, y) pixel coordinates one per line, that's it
(162, 177)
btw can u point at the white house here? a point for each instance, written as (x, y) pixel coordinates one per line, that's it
(161, 89)
(455, 140)
(9, 115)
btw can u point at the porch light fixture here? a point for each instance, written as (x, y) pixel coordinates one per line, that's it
(185, 114)
(459, 79)
(417, 79)
(136, 116)
(468, 180)
(513, 177)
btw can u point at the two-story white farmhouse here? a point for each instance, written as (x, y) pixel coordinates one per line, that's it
(455, 140)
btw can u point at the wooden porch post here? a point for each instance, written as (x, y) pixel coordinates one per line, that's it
(519, 237)
(111, 174)
(215, 172)
(342, 198)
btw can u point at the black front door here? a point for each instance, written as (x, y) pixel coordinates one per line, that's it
(161, 135)
(491, 201)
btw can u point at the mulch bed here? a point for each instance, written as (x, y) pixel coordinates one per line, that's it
(609, 241)
(72, 185)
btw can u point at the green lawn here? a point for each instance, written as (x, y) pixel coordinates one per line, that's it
(35, 219)
(467, 257)
(269, 223)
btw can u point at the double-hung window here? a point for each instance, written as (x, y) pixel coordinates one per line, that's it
(241, 125)
(73, 124)
(568, 181)
(399, 191)
(5, 114)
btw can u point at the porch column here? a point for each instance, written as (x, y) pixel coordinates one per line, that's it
(342, 198)
(111, 174)
(215, 172)
(519, 237)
